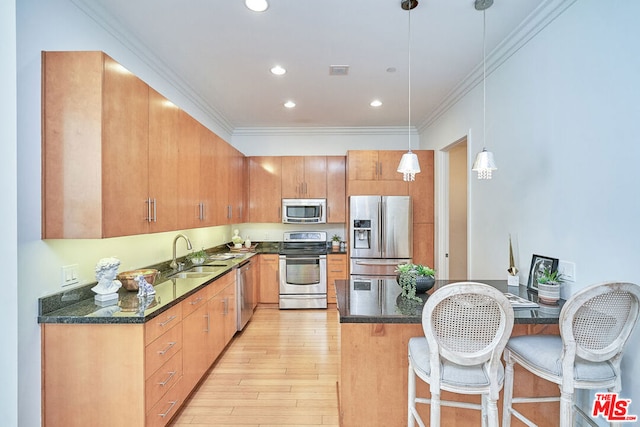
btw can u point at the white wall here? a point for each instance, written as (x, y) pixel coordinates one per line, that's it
(562, 118)
(8, 216)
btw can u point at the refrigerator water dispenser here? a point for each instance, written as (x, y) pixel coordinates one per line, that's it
(362, 234)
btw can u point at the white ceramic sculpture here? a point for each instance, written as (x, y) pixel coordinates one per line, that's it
(106, 272)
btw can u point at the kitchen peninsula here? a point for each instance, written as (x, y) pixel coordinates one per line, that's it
(375, 327)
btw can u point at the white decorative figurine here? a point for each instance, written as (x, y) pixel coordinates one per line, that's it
(236, 239)
(144, 288)
(107, 287)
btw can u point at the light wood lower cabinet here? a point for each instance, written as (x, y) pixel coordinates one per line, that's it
(336, 270)
(269, 279)
(134, 374)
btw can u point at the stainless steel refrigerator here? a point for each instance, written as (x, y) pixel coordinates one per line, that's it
(380, 234)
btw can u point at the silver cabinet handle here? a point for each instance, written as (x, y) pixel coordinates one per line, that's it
(173, 403)
(165, 382)
(207, 316)
(148, 202)
(195, 301)
(169, 319)
(226, 306)
(155, 211)
(167, 348)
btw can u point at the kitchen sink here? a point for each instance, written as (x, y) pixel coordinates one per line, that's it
(199, 271)
(209, 268)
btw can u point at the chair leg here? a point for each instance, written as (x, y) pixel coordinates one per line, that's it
(508, 390)
(566, 409)
(492, 413)
(411, 395)
(435, 409)
(483, 411)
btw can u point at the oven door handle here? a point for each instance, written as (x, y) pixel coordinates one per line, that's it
(315, 258)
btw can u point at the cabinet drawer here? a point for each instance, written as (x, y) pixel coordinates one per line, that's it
(162, 323)
(162, 349)
(160, 414)
(196, 300)
(163, 379)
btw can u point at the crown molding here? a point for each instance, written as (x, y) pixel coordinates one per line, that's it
(140, 50)
(542, 16)
(339, 130)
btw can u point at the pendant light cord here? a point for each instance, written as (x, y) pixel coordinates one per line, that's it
(409, 73)
(484, 79)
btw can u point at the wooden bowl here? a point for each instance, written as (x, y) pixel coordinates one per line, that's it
(127, 278)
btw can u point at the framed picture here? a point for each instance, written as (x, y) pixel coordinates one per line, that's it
(538, 264)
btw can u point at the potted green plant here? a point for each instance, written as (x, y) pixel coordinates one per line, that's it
(415, 279)
(197, 257)
(549, 282)
(335, 241)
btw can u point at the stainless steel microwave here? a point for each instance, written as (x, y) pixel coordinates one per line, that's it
(304, 211)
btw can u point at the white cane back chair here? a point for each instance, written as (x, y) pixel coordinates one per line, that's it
(595, 324)
(466, 327)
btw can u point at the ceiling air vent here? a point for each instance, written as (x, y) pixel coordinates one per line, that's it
(338, 70)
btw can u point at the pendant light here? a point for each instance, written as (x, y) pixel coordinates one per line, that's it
(484, 163)
(409, 165)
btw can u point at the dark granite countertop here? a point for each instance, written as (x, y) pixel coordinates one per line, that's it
(379, 301)
(78, 306)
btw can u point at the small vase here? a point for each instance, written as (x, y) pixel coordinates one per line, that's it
(548, 294)
(423, 283)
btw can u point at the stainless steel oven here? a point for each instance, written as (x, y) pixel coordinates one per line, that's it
(303, 270)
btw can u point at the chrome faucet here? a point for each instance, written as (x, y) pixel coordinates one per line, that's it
(174, 264)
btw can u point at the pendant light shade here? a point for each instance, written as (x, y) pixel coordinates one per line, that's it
(409, 165)
(484, 163)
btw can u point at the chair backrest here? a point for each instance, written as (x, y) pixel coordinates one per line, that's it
(467, 323)
(596, 322)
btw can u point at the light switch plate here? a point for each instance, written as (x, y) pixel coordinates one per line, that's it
(568, 270)
(70, 275)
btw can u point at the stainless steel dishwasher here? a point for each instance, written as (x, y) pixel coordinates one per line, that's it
(244, 294)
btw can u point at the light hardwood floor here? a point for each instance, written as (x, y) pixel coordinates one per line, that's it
(282, 370)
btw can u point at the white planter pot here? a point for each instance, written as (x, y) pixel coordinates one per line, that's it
(548, 294)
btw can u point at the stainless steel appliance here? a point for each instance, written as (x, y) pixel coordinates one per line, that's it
(380, 234)
(303, 270)
(244, 294)
(304, 211)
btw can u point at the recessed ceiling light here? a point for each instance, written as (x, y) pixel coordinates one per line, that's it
(289, 104)
(257, 5)
(278, 70)
(376, 103)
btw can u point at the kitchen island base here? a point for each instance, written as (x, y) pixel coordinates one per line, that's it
(373, 379)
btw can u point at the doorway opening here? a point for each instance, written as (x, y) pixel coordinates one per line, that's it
(454, 230)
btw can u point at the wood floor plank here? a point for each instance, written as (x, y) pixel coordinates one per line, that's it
(280, 371)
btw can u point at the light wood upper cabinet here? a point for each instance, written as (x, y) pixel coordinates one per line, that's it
(229, 170)
(265, 199)
(336, 189)
(369, 165)
(94, 148)
(208, 187)
(165, 122)
(372, 172)
(304, 177)
(421, 190)
(189, 170)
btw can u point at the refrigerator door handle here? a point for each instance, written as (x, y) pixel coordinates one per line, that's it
(381, 228)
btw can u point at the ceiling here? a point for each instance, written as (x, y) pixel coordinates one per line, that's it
(219, 53)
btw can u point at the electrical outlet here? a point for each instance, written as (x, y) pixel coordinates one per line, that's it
(70, 275)
(568, 270)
